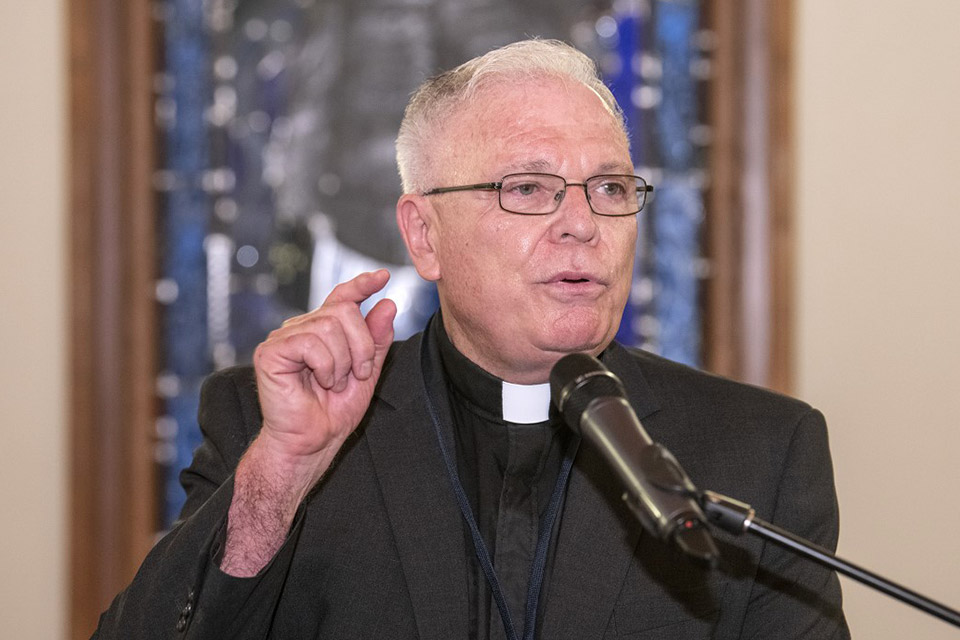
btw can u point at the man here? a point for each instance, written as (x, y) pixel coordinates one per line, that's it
(353, 489)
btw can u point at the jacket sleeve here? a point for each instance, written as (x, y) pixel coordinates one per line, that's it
(179, 590)
(793, 597)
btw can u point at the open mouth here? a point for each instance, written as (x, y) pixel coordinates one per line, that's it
(573, 277)
(576, 285)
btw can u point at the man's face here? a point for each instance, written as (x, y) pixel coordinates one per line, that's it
(519, 292)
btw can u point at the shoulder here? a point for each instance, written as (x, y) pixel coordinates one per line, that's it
(732, 437)
(232, 385)
(229, 407)
(673, 385)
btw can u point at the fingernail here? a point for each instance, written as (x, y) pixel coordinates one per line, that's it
(366, 369)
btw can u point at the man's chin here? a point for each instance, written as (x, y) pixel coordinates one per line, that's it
(581, 331)
(593, 347)
(591, 341)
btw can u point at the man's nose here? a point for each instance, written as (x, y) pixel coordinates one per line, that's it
(574, 217)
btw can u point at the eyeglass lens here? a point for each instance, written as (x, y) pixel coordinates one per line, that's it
(538, 193)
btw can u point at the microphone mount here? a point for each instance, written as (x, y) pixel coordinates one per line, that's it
(738, 518)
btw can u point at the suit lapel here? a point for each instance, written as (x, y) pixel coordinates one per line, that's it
(595, 544)
(423, 513)
(598, 533)
(592, 555)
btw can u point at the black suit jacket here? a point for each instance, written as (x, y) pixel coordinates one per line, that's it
(378, 549)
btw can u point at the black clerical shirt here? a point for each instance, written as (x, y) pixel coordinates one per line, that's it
(508, 471)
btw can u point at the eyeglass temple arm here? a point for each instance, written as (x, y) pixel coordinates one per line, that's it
(466, 187)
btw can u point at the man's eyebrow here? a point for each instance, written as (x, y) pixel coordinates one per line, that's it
(534, 166)
(615, 167)
(539, 165)
(545, 166)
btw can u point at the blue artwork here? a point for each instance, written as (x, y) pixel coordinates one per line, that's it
(277, 120)
(679, 208)
(183, 228)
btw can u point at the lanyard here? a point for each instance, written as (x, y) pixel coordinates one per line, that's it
(483, 556)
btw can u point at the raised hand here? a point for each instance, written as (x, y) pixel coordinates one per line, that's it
(316, 374)
(315, 377)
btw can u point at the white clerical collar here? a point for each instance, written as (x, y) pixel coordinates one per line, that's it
(526, 403)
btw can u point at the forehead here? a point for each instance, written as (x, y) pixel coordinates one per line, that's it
(539, 124)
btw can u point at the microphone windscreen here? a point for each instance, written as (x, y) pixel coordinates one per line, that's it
(576, 380)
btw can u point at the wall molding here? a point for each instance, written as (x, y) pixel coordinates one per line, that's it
(111, 158)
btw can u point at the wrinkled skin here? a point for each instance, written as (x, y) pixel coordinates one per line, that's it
(519, 292)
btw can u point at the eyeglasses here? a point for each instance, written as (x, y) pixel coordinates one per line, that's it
(535, 194)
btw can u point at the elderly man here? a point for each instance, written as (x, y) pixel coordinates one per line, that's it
(348, 487)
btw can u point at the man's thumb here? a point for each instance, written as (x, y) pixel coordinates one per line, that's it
(380, 323)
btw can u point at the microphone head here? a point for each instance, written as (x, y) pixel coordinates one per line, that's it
(576, 380)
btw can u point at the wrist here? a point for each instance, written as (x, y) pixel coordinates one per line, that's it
(284, 474)
(268, 489)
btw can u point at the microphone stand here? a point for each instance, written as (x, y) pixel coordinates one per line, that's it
(738, 518)
(585, 380)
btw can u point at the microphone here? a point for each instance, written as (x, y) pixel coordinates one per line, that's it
(593, 403)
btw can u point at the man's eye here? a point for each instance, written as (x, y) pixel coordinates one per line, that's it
(612, 189)
(525, 188)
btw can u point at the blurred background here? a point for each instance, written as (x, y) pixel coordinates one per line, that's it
(274, 127)
(177, 177)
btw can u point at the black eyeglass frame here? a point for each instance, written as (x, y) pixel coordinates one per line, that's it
(496, 186)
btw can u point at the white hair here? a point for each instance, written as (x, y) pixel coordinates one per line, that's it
(438, 98)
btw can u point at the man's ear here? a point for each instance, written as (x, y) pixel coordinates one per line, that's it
(417, 220)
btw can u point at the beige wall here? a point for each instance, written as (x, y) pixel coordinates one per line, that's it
(878, 313)
(32, 320)
(878, 316)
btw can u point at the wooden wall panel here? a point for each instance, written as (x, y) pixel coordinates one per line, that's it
(722, 338)
(727, 316)
(782, 153)
(112, 310)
